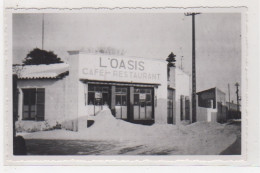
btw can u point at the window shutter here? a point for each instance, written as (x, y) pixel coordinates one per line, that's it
(40, 103)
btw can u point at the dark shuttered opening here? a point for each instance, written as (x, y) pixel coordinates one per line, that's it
(33, 104)
(40, 100)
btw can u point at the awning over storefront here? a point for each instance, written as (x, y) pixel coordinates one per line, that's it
(119, 83)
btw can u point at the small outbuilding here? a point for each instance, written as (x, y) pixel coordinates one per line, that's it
(211, 105)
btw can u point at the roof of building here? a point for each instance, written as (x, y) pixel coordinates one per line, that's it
(207, 90)
(232, 103)
(42, 71)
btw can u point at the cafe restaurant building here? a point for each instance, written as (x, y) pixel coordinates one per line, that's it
(137, 90)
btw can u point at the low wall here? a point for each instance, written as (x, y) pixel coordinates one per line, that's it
(201, 114)
(206, 114)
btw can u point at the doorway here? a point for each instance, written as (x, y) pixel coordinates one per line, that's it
(170, 101)
(143, 104)
(121, 95)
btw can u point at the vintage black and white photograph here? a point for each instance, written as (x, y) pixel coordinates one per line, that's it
(127, 83)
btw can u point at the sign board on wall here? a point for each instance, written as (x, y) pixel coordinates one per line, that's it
(142, 96)
(98, 95)
(119, 68)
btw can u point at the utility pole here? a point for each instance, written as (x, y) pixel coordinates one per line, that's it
(228, 97)
(181, 52)
(42, 31)
(237, 91)
(181, 63)
(194, 109)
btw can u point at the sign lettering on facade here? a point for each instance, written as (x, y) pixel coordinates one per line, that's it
(114, 68)
(121, 64)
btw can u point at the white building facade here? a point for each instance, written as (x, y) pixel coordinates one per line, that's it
(136, 90)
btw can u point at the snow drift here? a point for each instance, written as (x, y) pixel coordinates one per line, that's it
(196, 138)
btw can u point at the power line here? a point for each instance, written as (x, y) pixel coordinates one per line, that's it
(228, 97)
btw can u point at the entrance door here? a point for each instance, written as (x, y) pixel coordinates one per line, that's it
(121, 102)
(98, 97)
(170, 106)
(143, 103)
(187, 108)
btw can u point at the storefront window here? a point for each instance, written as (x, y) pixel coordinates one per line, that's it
(146, 92)
(121, 96)
(143, 103)
(136, 99)
(136, 90)
(91, 97)
(148, 100)
(105, 97)
(118, 100)
(91, 88)
(98, 95)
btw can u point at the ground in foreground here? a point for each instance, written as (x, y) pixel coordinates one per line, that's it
(109, 136)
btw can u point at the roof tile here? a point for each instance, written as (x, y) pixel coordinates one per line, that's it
(40, 71)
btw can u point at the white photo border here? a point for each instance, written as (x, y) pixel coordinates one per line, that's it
(129, 160)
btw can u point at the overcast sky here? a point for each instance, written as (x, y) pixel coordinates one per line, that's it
(218, 40)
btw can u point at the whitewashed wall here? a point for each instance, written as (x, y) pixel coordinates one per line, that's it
(65, 99)
(54, 98)
(180, 81)
(206, 114)
(101, 64)
(71, 92)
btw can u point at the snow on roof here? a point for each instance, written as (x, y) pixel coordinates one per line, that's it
(40, 71)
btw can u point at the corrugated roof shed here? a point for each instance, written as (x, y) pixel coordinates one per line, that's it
(42, 71)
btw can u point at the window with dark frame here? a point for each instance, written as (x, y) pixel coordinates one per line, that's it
(33, 104)
(104, 90)
(121, 96)
(147, 92)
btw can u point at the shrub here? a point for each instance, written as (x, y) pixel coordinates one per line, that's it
(57, 126)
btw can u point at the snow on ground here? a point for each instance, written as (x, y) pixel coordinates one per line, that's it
(196, 138)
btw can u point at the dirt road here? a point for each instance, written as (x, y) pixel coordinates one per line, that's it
(235, 148)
